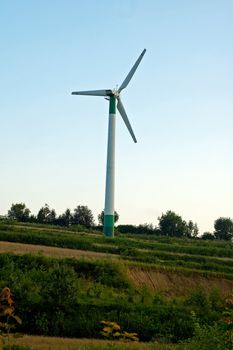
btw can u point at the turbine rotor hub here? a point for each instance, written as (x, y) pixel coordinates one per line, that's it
(115, 93)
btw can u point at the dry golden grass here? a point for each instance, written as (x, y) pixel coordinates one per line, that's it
(21, 248)
(55, 343)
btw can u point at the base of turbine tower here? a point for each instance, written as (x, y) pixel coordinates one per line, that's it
(108, 226)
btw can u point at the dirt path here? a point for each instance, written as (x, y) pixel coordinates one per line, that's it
(21, 248)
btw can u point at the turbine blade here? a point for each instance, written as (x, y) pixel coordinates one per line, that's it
(132, 71)
(94, 93)
(122, 112)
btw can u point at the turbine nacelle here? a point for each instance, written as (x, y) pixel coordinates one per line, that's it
(115, 92)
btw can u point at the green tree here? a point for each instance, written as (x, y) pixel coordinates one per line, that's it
(101, 217)
(65, 219)
(60, 287)
(83, 216)
(46, 215)
(191, 229)
(19, 212)
(223, 228)
(207, 236)
(171, 224)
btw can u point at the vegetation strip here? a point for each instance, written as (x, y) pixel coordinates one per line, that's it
(176, 253)
(69, 297)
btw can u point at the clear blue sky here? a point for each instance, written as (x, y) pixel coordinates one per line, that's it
(53, 145)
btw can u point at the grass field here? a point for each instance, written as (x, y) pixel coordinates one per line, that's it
(59, 343)
(65, 282)
(213, 258)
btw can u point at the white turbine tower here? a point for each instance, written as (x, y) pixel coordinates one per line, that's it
(114, 101)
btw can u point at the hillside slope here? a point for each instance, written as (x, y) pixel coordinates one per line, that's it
(167, 281)
(65, 283)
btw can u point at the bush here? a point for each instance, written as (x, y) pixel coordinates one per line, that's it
(209, 337)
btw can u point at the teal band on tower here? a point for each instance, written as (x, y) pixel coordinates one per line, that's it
(112, 105)
(109, 225)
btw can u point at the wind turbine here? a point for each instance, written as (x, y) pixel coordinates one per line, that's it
(114, 102)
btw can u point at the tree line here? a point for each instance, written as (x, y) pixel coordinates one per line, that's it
(81, 215)
(169, 224)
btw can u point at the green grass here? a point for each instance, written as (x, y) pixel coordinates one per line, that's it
(69, 297)
(213, 257)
